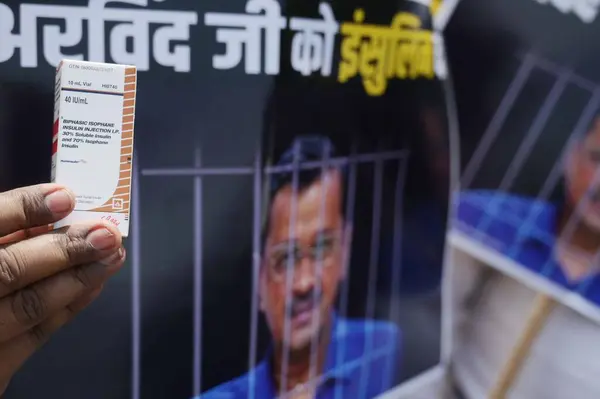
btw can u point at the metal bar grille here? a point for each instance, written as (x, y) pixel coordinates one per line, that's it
(197, 276)
(135, 283)
(531, 137)
(256, 257)
(257, 172)
(527, 223)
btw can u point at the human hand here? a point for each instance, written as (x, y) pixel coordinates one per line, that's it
(46, 277)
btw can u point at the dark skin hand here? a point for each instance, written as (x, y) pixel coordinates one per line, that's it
(47, 277)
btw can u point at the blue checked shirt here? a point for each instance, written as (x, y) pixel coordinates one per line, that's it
(524, 230)
(361, 363)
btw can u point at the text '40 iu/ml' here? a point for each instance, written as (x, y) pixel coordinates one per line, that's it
(76, 100)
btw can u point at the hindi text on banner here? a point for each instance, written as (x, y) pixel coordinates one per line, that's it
(131, 23)
(378, 53)
(312, 45)
(241, 34)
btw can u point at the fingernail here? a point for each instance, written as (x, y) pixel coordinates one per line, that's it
(59, 202)
(114, 258)
(101, 239)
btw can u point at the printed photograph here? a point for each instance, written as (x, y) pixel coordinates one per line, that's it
(524, 231)
(347, 259)
(529, 148)
(306, 247)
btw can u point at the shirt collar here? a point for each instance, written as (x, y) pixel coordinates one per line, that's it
(541, 232)
(331, 372)
(333, 369)
(539, 224)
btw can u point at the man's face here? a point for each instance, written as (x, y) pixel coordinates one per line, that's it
(582, 164)
(296, 254)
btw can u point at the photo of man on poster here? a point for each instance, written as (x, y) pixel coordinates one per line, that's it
(314, 353)
(557, 239)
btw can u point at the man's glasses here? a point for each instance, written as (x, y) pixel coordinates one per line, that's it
(281, 257)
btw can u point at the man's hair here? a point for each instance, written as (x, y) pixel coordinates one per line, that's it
(304, 149)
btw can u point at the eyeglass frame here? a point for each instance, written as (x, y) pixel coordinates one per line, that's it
(314, 252)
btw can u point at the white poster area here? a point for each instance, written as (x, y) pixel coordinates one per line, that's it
(495, 349)
(515, 334)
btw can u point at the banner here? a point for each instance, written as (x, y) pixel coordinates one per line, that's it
(290, 195)
(528, 100)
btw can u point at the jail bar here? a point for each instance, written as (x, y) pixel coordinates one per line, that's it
(557, 170)
(534, 132)
(290, 271)
(324, 178)
(256, 257)
(197, 275)
(493, 129)
(524, 150)
(198, 172)
(373, 263)
(345, 289)
(136, 262)
(339, 161)
(557, 70)
(396, 255)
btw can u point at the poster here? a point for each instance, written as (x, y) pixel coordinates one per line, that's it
(528, 104)
(543, 112)
(289, 203)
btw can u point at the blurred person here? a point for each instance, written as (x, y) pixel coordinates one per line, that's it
(46, 277)
(557, 240)
(526, 228)
(319, 238)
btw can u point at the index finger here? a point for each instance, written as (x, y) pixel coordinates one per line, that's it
(34, 206)
(25, 262)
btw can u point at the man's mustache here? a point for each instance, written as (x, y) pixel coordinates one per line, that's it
(303, 303)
